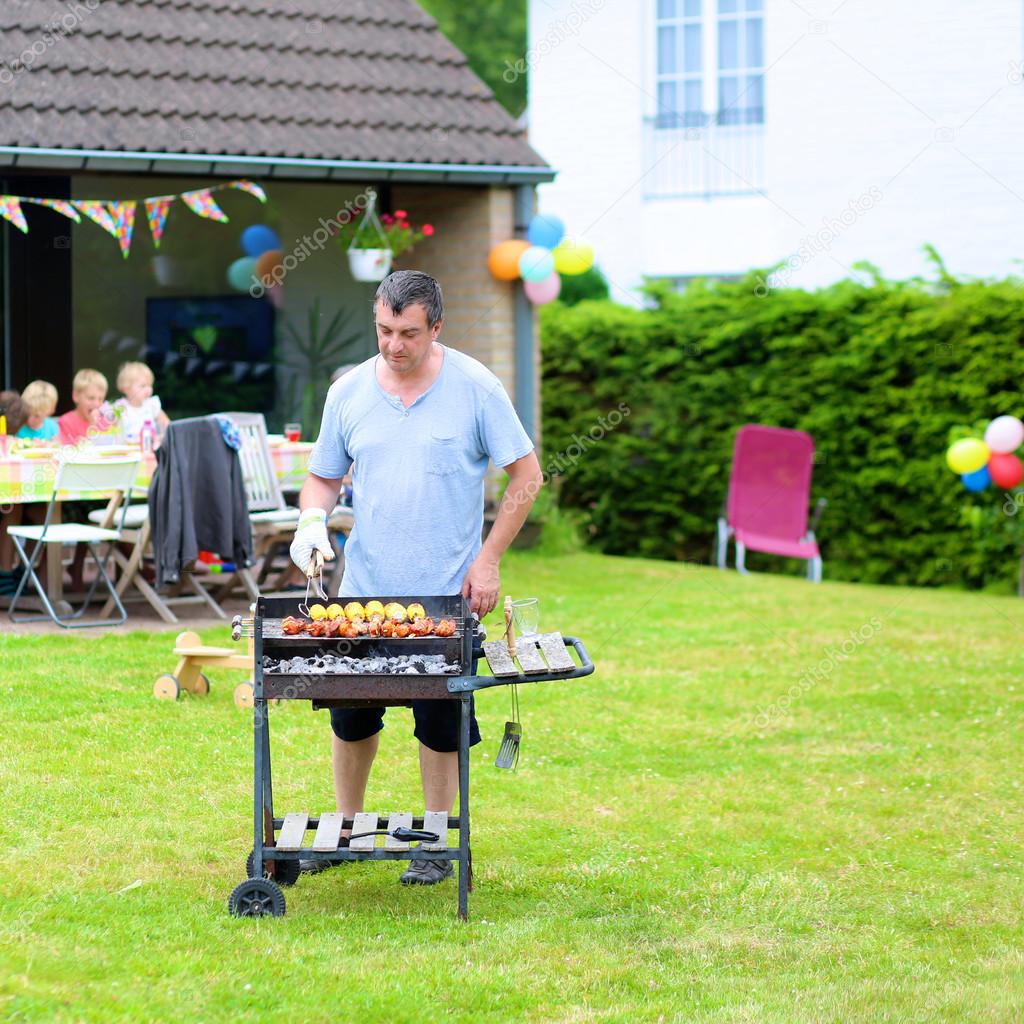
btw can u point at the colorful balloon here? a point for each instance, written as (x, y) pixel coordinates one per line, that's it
(258, 238)
(540, 293)
(967, 455)
(573, 256)
(978, 480)
(503, 261)
(1006, 470)
(269, 267)
(536, 263)
(545, 230)
(1004, 434)
(241, 274)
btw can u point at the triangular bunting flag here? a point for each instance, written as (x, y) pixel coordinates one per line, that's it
(60, 205)
(10, 209)
(156, 214)
(252, 188)
(97, 212)
(124, 220)
(201, 203)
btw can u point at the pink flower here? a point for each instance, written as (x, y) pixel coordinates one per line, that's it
(427, 229)
(386, 218)
(404, 225)
(401, 214)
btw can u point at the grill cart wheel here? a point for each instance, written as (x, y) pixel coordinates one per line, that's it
(287, 871)
(166, 688)
(202, 686)
(257, 897)
(244, 695)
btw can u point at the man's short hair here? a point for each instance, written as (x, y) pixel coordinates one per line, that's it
(409, 288)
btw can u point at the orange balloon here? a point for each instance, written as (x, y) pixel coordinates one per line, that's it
(503, 261)
(267, 265)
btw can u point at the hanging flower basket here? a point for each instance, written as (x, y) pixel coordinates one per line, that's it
(369, 264)
(372, 243)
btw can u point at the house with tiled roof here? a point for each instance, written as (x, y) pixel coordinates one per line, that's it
(315, 103)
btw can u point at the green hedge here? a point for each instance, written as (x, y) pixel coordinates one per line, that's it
(878, 373)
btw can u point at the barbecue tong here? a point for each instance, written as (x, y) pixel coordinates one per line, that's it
(314, 579)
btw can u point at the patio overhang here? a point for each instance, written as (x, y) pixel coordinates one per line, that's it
(232, 166)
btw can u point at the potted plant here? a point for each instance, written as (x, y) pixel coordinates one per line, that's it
(371, 242)
(310, 355)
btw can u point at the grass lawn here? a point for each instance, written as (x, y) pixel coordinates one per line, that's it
(736, 818)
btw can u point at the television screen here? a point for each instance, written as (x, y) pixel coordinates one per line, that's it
(212, 354)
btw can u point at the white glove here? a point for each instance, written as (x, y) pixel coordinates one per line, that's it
(310, 536)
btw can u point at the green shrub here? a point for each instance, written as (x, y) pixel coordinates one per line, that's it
(877, 373)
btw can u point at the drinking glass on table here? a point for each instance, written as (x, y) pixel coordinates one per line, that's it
(526, 614)
(292, 431)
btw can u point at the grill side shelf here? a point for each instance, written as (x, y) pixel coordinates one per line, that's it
(501, 677)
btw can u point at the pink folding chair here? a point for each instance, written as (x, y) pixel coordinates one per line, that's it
(769, 492)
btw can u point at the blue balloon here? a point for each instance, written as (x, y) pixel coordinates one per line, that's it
(545, 230)
(258, 239)
(978, 480)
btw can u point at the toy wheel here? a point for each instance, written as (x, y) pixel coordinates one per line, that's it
(286, 872)
(166, 688)
(202, 687)
(245, 695)
(257, 897)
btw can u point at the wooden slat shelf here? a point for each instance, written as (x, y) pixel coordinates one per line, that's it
(547, 653)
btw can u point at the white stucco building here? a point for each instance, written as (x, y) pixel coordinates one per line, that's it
(704, 137)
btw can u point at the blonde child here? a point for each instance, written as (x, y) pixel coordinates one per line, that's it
(40, 401)
(135, 382)
(88, 392)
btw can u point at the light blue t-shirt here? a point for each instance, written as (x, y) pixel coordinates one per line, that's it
(418, 491)
(47, 432)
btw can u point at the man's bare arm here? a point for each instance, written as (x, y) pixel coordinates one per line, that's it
(319, 492)
(483, 580)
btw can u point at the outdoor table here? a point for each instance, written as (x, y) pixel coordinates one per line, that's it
(27, 476)
(291, 459)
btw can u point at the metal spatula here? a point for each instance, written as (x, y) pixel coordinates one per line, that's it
(508, 752)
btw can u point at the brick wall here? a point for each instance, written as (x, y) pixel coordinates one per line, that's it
(478, 309)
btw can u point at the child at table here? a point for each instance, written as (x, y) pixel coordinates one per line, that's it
(88, 391)
(139, 405)
(40, 401)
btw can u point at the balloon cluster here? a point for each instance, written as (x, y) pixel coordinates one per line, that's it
(262, 265)
(541, 258)
(981, 463)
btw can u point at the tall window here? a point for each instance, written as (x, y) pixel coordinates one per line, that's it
(740, 61)
(710, 62)
(680, 63)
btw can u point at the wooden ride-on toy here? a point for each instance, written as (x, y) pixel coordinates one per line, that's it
(193, 655)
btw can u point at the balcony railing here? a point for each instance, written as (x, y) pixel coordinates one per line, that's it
(700, 155)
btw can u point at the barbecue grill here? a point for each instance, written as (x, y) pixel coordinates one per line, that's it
(373, 672)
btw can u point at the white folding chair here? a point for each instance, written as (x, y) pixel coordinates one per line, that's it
(84, 475)
(273, 519)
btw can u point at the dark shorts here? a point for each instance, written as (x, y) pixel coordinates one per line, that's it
(437, 721)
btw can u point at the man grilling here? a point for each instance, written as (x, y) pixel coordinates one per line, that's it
(420, 422)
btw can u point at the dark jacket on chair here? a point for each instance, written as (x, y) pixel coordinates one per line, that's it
(197, 500)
